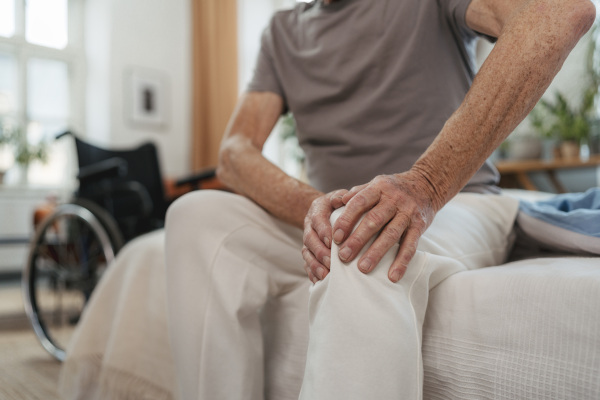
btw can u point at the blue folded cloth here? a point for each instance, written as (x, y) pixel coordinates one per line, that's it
(576, 212)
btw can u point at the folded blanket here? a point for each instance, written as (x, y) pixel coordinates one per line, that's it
(567, 222)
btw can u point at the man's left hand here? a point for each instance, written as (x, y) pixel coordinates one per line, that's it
(399, 207)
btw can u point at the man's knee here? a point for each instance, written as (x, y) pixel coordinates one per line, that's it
(198, 208)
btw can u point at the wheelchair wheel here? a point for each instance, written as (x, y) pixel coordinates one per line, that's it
(70, 250)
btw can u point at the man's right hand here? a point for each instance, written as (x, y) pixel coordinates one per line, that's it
(318, 236)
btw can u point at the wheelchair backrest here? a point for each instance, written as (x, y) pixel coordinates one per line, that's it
(142, 167)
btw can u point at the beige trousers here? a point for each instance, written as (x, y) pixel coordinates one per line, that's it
(365, 331)
(235, 280)
(237, 300)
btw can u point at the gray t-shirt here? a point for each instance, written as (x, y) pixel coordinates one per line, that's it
(370, 82)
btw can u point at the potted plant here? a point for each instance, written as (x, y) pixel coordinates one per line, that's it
(568, 125)
(23, 152)
(593, 69)
(292, 155)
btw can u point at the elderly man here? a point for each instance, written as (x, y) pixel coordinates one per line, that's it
(394, 123)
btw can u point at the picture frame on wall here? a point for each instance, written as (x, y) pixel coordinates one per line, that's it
(147, 91)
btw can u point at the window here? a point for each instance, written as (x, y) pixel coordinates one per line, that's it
(41, 77)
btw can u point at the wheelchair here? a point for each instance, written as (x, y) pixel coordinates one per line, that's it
(121, 195)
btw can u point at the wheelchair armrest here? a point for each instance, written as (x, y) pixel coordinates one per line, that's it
(109, 168)
(196, 178)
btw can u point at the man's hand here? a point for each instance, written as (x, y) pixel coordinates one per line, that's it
(397, 208)
(317, 234)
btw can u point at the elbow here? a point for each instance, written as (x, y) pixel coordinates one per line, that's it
(582, 16)
(230, 154)
(224, 162)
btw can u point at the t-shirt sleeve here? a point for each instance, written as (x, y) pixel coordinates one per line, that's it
(265, 77)
(456, 11)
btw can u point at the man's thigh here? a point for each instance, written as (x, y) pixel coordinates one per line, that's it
(475, 229)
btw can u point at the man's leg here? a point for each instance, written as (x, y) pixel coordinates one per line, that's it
(227, 259)
(365, 331)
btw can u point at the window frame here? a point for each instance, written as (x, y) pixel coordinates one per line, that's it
(73, 55)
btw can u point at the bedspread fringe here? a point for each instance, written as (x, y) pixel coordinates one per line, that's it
(86, 378)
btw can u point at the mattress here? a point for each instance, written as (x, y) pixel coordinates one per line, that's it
(525, 330)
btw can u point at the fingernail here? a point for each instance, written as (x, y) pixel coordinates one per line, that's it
(338, 236)
(320, 273)
(395, 276)
(364, 265)
(345, 253)
(327, 242)
(326, 261)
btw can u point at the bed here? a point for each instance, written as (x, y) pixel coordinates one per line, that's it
(525, 329)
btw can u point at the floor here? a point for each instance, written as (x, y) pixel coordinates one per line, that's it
(27, 371)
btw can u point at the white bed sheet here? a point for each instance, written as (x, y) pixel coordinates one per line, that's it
(525, 330)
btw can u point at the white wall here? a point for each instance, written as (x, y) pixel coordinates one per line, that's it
(155, 35)
(147, 35)
(253, 17)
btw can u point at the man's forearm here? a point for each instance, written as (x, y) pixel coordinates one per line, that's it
(245, 170)
(531, 48)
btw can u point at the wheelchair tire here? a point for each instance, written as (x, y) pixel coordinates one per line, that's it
(69, 253)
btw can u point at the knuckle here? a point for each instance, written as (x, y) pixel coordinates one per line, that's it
(407, 255)
(322, 229)
(359, 200)
(314, 266)
(306, 254)
(343, 221)
(321, 253)
(411, 249)
(375, 219)
(339, 193)
(379, 179)
(355, 242)
(391, 234)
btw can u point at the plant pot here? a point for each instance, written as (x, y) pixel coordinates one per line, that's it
(524, 148)
(569, 150)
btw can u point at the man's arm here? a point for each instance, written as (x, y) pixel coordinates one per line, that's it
(534, 38)
(243, 168)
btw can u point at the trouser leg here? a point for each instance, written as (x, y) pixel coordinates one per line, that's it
(365, 331)
(227, 258)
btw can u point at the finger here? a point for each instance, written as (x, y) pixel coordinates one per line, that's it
(408, 248)
(322, 228)
(336, 199)
(355, 208)
(317, 249)
(382, 219)
(311, 277)
(389, 237)
(316, 269)
(319, 221)
(352, 192)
